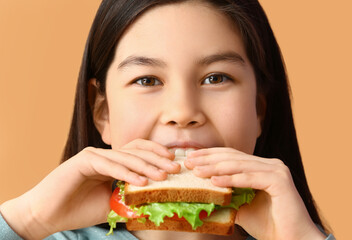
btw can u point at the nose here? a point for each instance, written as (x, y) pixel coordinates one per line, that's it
(182, 108)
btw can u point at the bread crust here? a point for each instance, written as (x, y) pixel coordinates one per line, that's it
(183, 226)
(177, 195)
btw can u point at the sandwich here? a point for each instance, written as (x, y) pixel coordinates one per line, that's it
(183, 202)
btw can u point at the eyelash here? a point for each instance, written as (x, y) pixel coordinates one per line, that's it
(223, 77)
(146, 78)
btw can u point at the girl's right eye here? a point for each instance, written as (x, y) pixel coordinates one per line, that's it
(148, 82)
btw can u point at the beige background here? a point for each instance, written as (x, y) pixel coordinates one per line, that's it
(41, 45)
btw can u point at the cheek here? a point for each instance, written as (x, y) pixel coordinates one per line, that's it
(237, 123)
(129, 120)
(243, 135)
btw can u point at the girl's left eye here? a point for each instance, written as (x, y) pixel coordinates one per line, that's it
(148, 81)
(216, 79)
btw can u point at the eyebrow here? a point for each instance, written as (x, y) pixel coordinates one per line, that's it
(222, 57)
(155, 62)
(143, 61)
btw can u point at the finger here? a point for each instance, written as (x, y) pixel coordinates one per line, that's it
(207, 151)
(207, 159)
(213, 158)
(150, 146)
(232, 167)
(133, 163)
(156, 160)
(274, 183)
(97, 166)
(255, 180)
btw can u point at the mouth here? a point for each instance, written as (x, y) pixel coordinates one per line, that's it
(181, 152)
(183, 148)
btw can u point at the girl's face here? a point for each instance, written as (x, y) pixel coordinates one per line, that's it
(181, 77)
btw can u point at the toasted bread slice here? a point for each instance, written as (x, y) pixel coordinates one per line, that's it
(221, 222)
(181, 187)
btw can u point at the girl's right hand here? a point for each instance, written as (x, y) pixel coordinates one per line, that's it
(76, 194)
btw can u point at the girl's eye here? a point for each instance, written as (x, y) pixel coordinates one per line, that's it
(148, 81)
(216, 79)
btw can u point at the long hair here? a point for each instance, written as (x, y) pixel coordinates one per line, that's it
(278, 138)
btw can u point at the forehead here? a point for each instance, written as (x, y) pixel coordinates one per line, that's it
(180, 30)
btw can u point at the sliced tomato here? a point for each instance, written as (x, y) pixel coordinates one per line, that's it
(203, 214)
(120, 207)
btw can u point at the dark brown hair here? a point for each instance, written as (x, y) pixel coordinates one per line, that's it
(278, 138)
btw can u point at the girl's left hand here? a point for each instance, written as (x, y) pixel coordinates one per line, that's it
(277, 211)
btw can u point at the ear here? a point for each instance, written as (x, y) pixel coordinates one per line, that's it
(99, 107)
(261, 110)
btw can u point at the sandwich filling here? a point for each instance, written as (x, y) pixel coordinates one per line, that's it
(193, 213)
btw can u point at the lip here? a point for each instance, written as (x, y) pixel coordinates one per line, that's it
(184, 145)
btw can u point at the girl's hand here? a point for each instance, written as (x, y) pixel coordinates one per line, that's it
(76, 194)
(277, 211)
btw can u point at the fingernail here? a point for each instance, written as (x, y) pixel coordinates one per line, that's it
(215, 178)
(174, 164)
(141, 178)
(187, 161)
(170, 154)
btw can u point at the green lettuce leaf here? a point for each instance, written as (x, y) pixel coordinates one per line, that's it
(241, 196)
(190, 211)
(113, 218)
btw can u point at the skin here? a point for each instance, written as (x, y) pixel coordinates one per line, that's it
(178, 107)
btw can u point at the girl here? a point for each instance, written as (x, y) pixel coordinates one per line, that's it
(158, 75)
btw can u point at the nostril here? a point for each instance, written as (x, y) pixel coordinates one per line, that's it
(175, 123)
(172, 123)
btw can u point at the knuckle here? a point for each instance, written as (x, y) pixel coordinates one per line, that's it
(139, 164)
(151, 169)
(221, 168)
(228, 167)
(87, 153)
(247, 177)
(282, 167)
(129, 176)
(237, 165)
(232, 150)
(145, 168)
(161, 160)
(88, 149)
(277, 161)
(233, 179)
(135, 143)
(284, 172)
(139, 141)
(218, 168)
